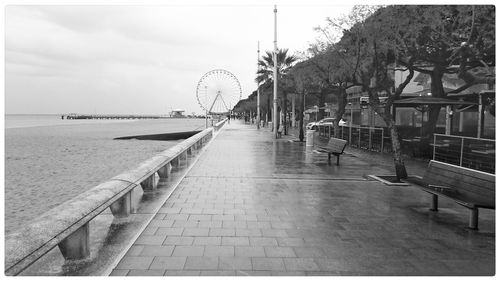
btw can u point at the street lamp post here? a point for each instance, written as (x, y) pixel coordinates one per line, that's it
(258, 86)
(350, 124)
(275, 77)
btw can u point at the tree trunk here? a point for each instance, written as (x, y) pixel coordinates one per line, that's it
(342, 102)
(386, 115)
(301, 116)
(285, 112)
(321, 105)
(399, 164)
(437, 91)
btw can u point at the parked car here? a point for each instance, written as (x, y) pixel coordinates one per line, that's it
(324, 122)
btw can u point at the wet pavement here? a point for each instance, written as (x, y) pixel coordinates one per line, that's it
(253, 205)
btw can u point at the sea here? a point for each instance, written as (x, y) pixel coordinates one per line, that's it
(49, 160)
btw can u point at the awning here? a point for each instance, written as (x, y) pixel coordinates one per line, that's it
(426, 100)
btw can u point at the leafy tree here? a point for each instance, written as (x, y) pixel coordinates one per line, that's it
(437, 37)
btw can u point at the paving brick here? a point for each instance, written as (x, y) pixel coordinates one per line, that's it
(159, 216)
(274, 232)
(251, 232)
(207, 240)
(182, 273)
(169, 210)
(184, 224)
(263, 241)
(274, 264)
(219, 251)
(191, 211)
(309, 252)
(119, 272)
(234, 224)
(291, 241)
(236, 241)
(178, 240)
(150, 230)
(233, 211)
(202, 263)
(253, 273)
(249, 251)
(245, 217)
(188, 251)
(218, 273)
(156, 250)
(177, 217)
(300, 264)
(161, 223)
(144, 272)
(135, 250)
(150, 239)
(212, 211)
(259, 224)
(279, 252)
(223, 217)
(135, 263)
(282, 225)
(288, 273)
(235, 263)
(195, 232)
(200, 217)
(168, 263)
(210, 224)
(169, 231)
(222, 232)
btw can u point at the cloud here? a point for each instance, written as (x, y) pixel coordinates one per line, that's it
(84, 57)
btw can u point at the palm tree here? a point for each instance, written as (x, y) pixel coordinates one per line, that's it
(266, 68)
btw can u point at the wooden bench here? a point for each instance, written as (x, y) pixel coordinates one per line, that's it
(470, 188)
(335, 146)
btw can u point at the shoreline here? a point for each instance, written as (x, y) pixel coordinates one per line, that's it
(47, 165)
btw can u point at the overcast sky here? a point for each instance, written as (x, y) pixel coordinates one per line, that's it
(140, 59)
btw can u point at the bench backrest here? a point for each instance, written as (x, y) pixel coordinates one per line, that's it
(336, 145)
(476, 185)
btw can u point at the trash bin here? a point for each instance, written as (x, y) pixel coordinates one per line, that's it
(310, 137)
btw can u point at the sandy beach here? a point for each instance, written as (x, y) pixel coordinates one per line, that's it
(47, 165)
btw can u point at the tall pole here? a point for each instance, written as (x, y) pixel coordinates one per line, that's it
(275, 77)
(258, 86)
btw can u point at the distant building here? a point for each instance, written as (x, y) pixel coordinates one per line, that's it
(177, 113)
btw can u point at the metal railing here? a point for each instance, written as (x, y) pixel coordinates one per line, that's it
(473, 153)
(67, 225)
(369, 138)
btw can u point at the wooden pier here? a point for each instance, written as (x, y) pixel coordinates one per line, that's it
(112, 116)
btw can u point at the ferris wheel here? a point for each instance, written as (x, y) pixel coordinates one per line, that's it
(218, 91)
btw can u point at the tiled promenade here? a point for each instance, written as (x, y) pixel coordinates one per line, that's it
(253, 205)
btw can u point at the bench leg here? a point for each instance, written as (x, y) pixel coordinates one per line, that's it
(329, 157)
(473, 218)
(434, 203)
(338, 157)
